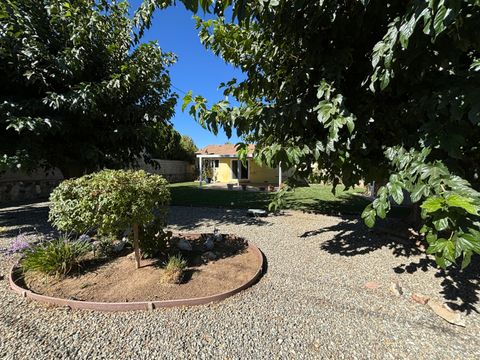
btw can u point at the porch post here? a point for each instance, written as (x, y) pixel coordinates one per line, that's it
(279, 175)
(200, 168)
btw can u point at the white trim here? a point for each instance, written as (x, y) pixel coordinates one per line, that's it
(200, 168)
(221, 156)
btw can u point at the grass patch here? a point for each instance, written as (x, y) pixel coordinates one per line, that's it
(314, 198)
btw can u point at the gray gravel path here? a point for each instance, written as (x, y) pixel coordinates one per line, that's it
(311, 303)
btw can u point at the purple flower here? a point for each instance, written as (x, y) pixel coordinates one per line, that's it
(19, 245)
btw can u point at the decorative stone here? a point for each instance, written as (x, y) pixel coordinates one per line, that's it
(118, 246)
(210, 255)
(421, 299)
(209, 244)
(372, 285)
(184, 245)
(442, 310)
(257, 212)
(396, 289)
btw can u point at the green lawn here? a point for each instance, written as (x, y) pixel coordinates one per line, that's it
(316, 198)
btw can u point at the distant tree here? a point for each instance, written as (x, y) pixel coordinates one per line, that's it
(79, 91)
(171, 145)
(188, 148)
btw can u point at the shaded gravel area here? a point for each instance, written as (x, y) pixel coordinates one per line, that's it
(311, 303)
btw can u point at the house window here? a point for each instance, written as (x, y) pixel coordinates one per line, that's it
(239, 171)
(216, 164)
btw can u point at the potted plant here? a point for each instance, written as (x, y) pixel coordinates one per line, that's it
(208, 174)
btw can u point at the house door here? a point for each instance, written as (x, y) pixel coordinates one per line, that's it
(239, 171)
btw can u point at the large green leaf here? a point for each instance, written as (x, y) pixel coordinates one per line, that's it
(433, 204)
(463, 202)
(368, 216)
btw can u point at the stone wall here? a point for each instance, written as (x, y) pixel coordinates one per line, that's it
(19, 186)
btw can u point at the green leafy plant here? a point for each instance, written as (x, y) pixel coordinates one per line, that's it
(104, 246)
(174, 270)
(154, 239)
(383, 91)
(110, 201)
(76, 83)
(56, 257)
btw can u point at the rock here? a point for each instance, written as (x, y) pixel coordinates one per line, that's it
(421, 299)
(257, 212)
(117, 246)
(209, 244)
(210, 255)
(396, 289)
(442, 310)
(184, 245)
(372, 285)
(2, 277)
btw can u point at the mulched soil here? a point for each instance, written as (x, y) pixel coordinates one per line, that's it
(117, 280)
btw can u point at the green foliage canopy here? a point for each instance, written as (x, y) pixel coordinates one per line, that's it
(109, 201)
(79, 91)
(385, 91)
(171, 145)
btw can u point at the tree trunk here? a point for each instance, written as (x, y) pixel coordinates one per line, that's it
(136, 247)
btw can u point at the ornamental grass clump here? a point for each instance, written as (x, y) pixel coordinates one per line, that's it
(57, 257)
(174, 270)
(111, 201)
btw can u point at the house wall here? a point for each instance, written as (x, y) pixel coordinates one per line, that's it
(258, 173)
(262, 173)
(224, 171)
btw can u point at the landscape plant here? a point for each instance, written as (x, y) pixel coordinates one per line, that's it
(174, 269)
(373, 90)
(57, 257)
(80, 90)
(111, 202)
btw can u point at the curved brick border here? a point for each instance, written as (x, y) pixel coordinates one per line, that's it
(139, 305)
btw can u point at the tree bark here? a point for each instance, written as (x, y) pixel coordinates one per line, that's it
(136, 247)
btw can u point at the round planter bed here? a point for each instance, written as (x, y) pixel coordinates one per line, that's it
(225, 273)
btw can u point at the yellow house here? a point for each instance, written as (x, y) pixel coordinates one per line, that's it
(220, 164)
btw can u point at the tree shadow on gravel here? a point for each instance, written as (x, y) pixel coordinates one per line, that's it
(460, 288)
(190, 218)
(353, 238)
(24, 219)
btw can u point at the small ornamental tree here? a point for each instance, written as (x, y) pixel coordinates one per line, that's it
(110, 201)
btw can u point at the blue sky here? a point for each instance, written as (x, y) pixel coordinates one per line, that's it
(197, 69)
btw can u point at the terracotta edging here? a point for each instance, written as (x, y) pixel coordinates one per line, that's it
(127, 306)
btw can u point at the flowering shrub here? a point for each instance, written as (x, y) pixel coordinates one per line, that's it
(19, 245)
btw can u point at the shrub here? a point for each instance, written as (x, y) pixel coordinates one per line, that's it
(56, 257)
(174, 270)
(154, 239)
(104, 246)
(110, 201)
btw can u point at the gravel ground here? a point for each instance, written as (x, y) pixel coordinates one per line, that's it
(311, 303)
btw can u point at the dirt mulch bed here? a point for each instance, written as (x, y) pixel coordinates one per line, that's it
(118, 281)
